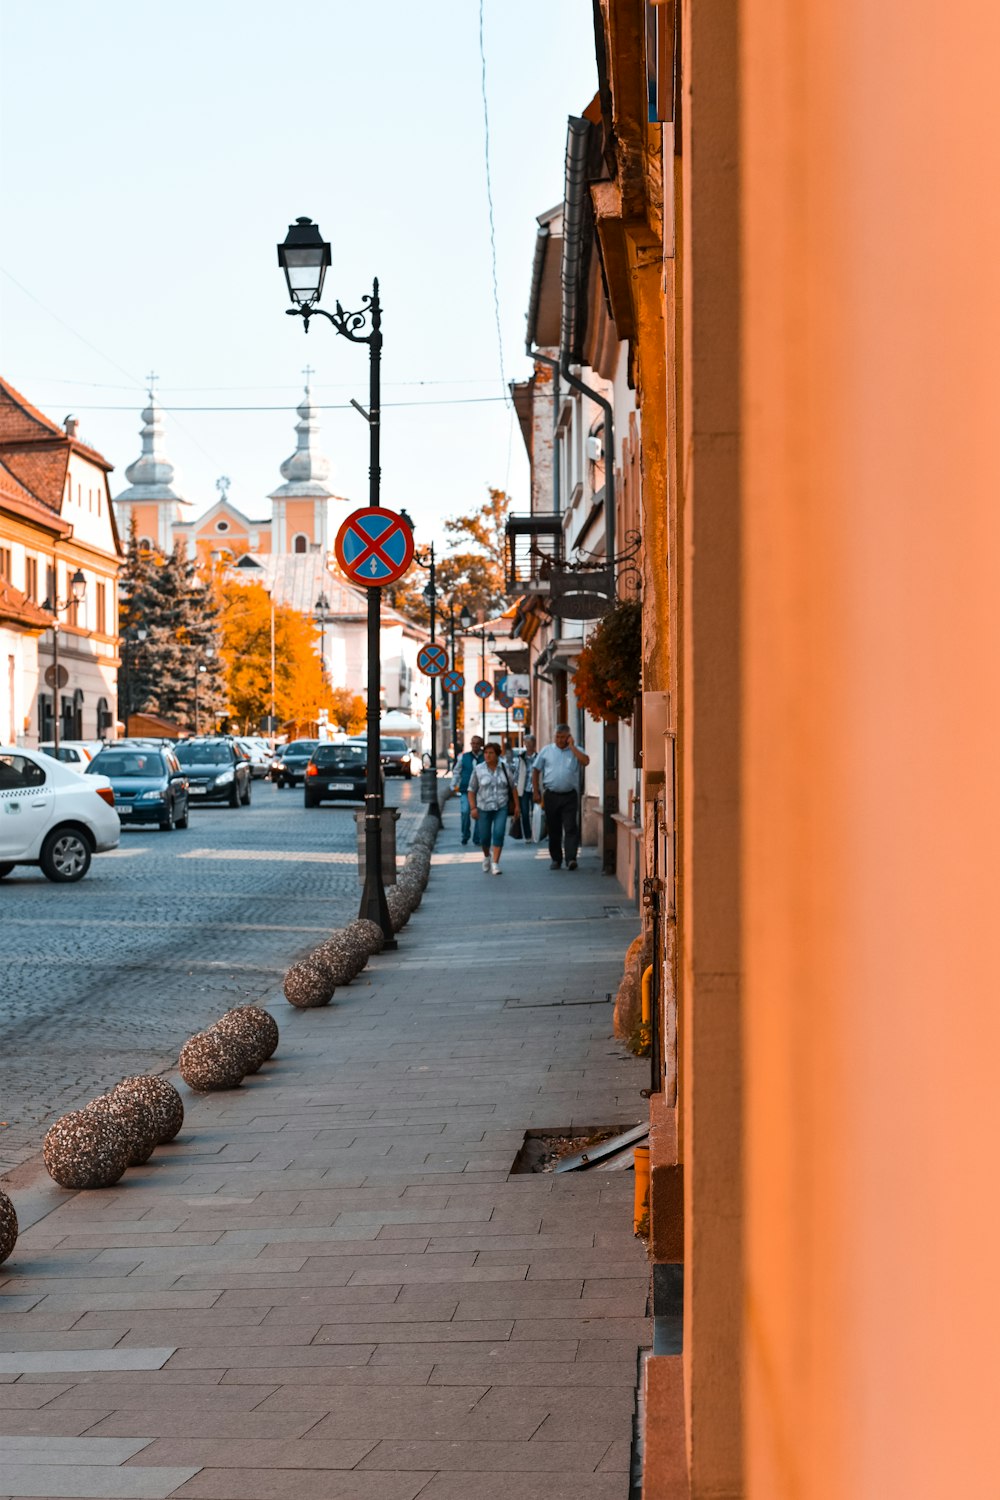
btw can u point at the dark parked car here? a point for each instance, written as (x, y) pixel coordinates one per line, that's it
(217, 771)
(336, 772)
(289, 766)
(149, 785)
(395, 754)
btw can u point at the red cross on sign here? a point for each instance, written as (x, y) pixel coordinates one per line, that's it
(374, 547)
(432, 660)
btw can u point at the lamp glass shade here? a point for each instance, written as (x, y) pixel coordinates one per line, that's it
(304, 256)
(322, 605)
(78, 586)
(465, 618)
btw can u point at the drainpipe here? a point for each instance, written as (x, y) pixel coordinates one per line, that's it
(576, 225)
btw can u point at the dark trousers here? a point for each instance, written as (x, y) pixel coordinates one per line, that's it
(562, 816)
(527, 803)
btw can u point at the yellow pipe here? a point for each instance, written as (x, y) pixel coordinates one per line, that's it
(640, 1212)
(647, 995)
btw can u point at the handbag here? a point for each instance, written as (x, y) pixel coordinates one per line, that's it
(514, 827)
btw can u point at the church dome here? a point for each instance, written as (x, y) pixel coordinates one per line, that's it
(305, 471)
(151, 475)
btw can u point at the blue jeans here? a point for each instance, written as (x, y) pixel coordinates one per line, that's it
(467, 828)
(491, 828)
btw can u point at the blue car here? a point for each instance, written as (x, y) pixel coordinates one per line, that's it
(149, 785)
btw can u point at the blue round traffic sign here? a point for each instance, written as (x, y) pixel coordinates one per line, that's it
(432, 659)
(505, 700)
(483, 689)
(453, 682)
(374, 546)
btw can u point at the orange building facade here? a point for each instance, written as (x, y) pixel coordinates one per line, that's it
(799, 240)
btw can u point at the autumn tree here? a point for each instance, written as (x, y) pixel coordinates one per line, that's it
(299, 689)
(347, 709)
(474, 571)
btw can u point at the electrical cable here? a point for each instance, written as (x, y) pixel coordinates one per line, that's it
(489, 200)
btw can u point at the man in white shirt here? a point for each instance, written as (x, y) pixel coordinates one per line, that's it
(555, 781)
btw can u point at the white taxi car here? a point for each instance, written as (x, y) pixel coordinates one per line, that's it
(52, 816)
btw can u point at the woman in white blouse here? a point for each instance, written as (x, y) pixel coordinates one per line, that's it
(491, 791)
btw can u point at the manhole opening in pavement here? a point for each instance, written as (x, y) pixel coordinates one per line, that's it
(543, 1150)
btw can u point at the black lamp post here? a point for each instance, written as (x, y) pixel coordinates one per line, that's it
(200, 667)
(453, 696)
(485, 638)
(132, 636)
(55, 607)
(321, 610)
(430, 595)
(304, 257)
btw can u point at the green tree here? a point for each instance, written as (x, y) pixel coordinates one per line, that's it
(164, 598)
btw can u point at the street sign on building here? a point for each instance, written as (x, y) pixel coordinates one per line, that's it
(432, 660)
(374, 547)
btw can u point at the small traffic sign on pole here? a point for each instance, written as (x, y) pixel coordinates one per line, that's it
(432, 660)
(374, 547)
(453, 682)
(483, 689)
(518, 715)
(504, 700)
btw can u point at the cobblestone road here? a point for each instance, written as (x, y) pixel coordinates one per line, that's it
(109, 976)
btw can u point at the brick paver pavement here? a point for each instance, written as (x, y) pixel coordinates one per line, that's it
(330, 1285)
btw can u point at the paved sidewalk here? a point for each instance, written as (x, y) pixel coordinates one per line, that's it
(329, 1286)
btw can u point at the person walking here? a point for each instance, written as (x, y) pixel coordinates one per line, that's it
(464, 767)
(525, 762)
(555, 782)
(491, 790)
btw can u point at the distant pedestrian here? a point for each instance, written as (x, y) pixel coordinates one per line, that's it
(464, 767)
(491, 791)
(525, 764)
(555, 782)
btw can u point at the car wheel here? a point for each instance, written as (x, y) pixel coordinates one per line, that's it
(408, 774)
(5, 871)
(167, 823)
(249, 790)
(65, 856)
(182, 822)
(234, 796)
(281, 783)
(311, 800)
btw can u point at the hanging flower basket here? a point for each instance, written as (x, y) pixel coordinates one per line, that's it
(609, 668)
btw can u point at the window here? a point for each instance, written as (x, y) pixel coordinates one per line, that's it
(51, 591)
(6, 564)
(31, 578)
(222, 525)
(101, 608)
(300, 542)
(146, 544)
(18, 772)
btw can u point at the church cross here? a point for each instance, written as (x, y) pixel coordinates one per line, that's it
(152, 379)
(307, 372)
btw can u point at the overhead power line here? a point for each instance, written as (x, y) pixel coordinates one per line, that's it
(489, 200)
(317, 406)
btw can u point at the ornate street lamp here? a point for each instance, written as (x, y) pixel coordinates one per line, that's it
(55, 607)
(485, 638)
(304, 256)
(430, 597)
(321, 610)
(131, 636)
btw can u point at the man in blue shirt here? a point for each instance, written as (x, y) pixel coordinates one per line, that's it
(464, 767)
(555, 780)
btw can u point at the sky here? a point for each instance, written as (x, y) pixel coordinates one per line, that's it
(151, 158)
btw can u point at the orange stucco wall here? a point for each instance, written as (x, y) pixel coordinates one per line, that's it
(300, 515)
(871, 750)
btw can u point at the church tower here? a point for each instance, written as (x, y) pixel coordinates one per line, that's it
(299, 507)
(150, 500)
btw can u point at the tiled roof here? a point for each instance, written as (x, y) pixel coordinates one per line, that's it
(17, 607)
(298, 579)
(17, 500)
(20, 422)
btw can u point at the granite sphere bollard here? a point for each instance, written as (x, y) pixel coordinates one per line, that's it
(210, 1061)
(263, 1023)
(136, 1120)
(85, 1149)
(249, 1036)
(8, 1228)
(339, 964)
(399, 907)
(371, 932)
(160, 1098)
(308, 985)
